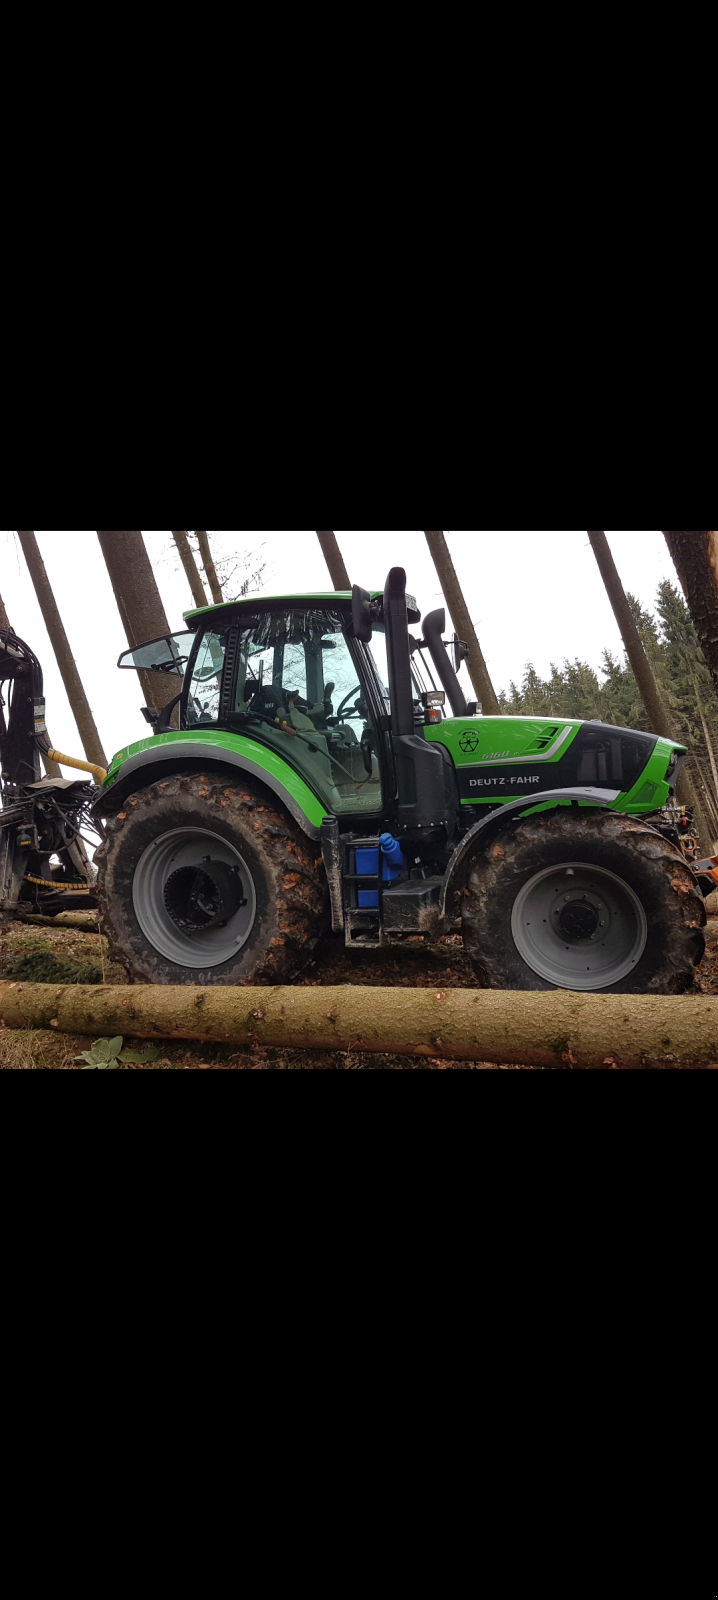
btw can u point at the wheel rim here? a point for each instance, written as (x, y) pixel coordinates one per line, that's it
(184, 848)
(579, 926)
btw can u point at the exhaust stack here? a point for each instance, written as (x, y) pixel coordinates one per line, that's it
(432, 628)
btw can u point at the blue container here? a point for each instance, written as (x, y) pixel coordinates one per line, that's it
(393, 866)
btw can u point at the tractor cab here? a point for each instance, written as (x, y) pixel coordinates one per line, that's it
(305, 676)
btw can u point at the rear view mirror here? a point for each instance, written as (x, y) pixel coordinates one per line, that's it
(461, 652)
(168, 654)
(361, 614)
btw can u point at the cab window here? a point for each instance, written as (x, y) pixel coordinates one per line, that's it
(296, 675)
(203, 695)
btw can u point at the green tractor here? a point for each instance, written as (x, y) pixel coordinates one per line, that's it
(315, 779)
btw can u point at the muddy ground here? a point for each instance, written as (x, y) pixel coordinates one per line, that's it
(54, 954)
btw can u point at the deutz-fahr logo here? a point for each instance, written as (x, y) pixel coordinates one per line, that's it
(469, 742)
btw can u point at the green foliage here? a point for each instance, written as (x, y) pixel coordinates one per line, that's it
(671, 643)
(108, 1053)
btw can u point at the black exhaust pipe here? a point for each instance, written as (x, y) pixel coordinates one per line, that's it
(421, 779)
(398, 654)
(432, 628)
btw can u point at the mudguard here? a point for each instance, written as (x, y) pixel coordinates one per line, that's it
(483, 831)
(157, 761)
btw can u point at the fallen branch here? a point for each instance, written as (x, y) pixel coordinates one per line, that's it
(556, 1029)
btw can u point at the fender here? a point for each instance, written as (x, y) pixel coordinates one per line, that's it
(154, 763)
(484, 830)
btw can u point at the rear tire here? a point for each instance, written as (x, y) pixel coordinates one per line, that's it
(592, 901)
(182, 820)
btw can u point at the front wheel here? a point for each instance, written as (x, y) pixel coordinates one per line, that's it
(202, 881)
(589, 901)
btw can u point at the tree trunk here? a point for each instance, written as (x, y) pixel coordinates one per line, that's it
(453, 594)
(659, 717)
(709, 747)
(555, 1029)
(51, 767)
(695, 556)
(80, 705)
(140, 606)
(209, 567)
(335, 561)
(190, 567)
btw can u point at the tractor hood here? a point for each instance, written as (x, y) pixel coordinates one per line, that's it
(498, 759)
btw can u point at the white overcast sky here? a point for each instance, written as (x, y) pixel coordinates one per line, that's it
(533, 596)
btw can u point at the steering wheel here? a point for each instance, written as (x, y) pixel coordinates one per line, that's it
(353, 713)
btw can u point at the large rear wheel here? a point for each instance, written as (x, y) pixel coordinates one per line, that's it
(204, 882)
(584, 900)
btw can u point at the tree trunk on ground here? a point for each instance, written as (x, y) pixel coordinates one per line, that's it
(695, 556)
(453, 594)
(209, 567)
(335, 561)
(556, 1029)
(659, 717)
(79, 703)
(191, 568)
(51, 767)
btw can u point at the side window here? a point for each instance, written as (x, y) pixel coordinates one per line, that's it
(206, 681)
(297, 677)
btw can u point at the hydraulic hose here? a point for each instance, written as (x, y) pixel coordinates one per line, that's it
(99, 774)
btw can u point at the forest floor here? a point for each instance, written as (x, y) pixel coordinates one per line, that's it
(54, 954)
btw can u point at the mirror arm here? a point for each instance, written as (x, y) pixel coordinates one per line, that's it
(162, 725)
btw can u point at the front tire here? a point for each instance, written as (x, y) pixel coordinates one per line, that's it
(164, 918)
(585, 900)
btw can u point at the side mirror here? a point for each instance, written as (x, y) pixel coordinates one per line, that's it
(461, 652)
(169, 653)
(361, 614)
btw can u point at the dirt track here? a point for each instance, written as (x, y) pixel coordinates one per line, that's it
(68, 955)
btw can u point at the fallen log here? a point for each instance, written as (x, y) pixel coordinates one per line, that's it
(555, 1029)
(86, 921)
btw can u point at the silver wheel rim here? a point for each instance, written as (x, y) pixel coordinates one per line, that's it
(185, 847)
(580, 897)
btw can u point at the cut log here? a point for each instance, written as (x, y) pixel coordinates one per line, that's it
(555, 1029)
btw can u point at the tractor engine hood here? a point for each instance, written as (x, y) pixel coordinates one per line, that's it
(499, 759)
